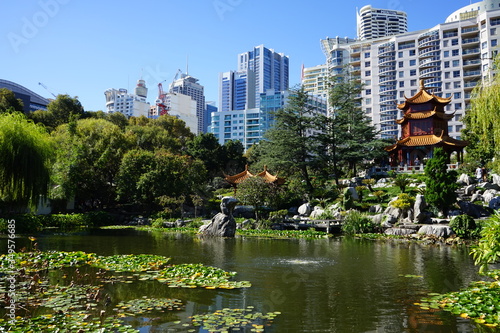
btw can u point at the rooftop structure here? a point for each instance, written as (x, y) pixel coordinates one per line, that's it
(375, 23)
(31, 100)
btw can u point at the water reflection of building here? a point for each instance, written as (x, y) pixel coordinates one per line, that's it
(424, 126)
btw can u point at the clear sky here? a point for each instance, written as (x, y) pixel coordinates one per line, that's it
(82, 48)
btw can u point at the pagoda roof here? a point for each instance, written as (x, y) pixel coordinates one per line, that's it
(425, 115)
(423, 96)
(238, 178)
(271, 178)
(426, 140)
(266, 175)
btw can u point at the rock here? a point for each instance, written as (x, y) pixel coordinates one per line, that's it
(376, 209)
(488, 195)
(490, 186)
(222, 224)
(245, 224)
(420, 216)
(246, 212)
(399, 231)
(317, 212)
(436, 230)
(305, 209)
(353, 193)
(382, 181)
(465, 179)
(469, 190)
(494, 203)
(473, 210)
(476, 197)
(496, 178)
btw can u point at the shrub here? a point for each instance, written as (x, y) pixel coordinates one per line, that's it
(402, 180)
(158, 223)
(356, 223)
(380, 195)
(278, 215)
(347, 200)
(404, 201)
(465, 226)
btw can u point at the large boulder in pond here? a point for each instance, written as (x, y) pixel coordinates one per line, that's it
(436, 230)
(469, 208)
(305, 210)
(222, 224)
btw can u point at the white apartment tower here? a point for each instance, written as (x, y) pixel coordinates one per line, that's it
(374, 23)
(131, 105)
(189, 86)
(451, 58)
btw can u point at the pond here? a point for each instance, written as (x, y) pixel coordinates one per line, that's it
(322, 285)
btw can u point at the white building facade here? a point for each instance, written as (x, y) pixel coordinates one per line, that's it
(130, 105)
(451, 58)
(375, 23)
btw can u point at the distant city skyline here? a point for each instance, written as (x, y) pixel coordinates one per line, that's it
(83, 49)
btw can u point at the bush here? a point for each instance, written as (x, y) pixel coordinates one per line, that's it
(278, 215)
(357, 223)
(465, 226)
(347, 200)
(158, 223)
(404, 201)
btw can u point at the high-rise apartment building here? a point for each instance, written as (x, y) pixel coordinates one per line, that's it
(131, 105)
(451, 58)
(270, 69)
(261, 71)
(374, 23)
(315, 80)
(189, 86)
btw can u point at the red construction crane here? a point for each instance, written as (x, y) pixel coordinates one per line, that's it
(161, 101)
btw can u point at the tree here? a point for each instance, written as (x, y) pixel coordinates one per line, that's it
(89, 156)
(440, 183)
(291, 146)
(146, 178)
(60, 111)
(256, 192)
(234, 159)
(205, 147)
(26, 151)
(346, 134)
(482, 122)
(9, 102)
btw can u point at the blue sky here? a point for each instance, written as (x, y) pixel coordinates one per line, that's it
(82, 48)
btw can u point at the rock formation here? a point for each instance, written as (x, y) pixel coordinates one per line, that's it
(222, 224)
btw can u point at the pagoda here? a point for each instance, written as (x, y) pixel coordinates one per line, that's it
(266, 175)
(424, 126)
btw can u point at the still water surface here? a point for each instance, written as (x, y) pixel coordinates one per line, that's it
(325, 285)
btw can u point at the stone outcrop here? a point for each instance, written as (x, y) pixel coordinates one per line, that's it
(222, 224)
(305, 210)
(436, 230)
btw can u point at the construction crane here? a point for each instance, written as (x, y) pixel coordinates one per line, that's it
(43, 85)
(175, 79)
(161, 101)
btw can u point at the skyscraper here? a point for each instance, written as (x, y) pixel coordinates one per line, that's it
(131, 105)
(271, 70)
(188, 85)
(375, 23)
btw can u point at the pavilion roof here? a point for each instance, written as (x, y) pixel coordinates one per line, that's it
(266, 175)
(423, 96)
(426, 140)
(425, 115)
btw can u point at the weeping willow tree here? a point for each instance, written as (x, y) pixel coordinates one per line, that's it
(482, 122)
(25, 154)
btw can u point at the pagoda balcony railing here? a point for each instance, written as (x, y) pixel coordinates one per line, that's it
(470, 40)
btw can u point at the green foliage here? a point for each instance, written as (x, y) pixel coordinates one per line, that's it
(360, 191)
(356, 222)
(402, 180)
(380, 195)
(347, 200)
(464, 226)
(8, 102)
(26, 152)
(487, 251)
(440, 184)
(256, 192)
(403, 202)
(278, 215)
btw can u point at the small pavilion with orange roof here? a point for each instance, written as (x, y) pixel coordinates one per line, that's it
(424, 126)
(266, 175)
